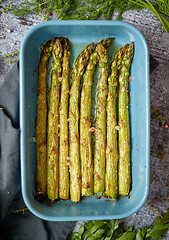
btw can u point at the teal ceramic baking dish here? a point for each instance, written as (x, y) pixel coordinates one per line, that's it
(80, 34)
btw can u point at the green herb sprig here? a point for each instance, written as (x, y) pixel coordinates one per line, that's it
(156, 116)
(151, 7)
(12, 57)
(98, 9)
(21, 210)
(60, 7)
(163, 6)
(112, 230)
(77, 10)
(92, 9)
(8, 8)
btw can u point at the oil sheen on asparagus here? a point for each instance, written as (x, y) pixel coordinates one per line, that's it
(124, 176)
(53, 121)
(41, 119)
(111, 182)
(100, 130)
(63, 152)
(85, 123)
(74, 144)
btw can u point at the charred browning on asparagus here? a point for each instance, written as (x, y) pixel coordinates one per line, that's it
(53, 121)
(63, 152)
(41, 119)
(124, 131)
(74, 148)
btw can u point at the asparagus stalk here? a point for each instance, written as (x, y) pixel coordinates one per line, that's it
(112, 146)
(41, 119)
(85, 134)
(124, 131)
(100, 130)
(75, 174)
(53, 121)
(63, 152)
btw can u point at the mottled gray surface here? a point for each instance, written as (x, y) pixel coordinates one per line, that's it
(158, 42)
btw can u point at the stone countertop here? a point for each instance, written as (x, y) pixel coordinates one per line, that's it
(12, 31)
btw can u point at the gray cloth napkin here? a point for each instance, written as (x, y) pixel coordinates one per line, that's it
(18, 226)
(9, 140)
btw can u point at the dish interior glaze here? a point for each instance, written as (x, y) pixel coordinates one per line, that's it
(80, 34)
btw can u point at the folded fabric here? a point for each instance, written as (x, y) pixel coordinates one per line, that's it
(18, 226)
(9, 140)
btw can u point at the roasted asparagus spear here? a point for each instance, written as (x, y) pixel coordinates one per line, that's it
(85, 134)
(112, 146)
(41, 119)
(124, 131)
(63, 152)
(100, 130)
(85, 124)
(53, 121)
(74, 148)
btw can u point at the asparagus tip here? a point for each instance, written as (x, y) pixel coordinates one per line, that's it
(106, 42)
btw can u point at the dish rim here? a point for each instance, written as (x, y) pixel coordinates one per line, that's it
(22, 117)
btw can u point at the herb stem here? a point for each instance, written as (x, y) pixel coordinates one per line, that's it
(147, 4)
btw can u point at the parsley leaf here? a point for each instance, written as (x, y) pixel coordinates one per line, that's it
(94, 229)
(141, 233)
(160, 227)
(128, 236)
(112, 230)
